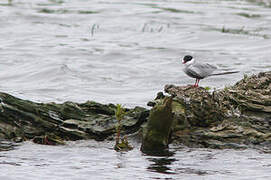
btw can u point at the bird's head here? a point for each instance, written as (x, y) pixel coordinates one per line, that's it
(188, 59)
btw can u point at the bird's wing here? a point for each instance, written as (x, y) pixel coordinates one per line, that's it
(202, 70)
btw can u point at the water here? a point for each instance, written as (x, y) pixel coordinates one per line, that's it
(92, 160)
(125, 52)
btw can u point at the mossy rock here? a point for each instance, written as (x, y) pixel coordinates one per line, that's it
(196, 105)
(156, 134)
(68, 121)
(234, 117)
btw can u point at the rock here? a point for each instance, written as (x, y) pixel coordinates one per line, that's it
(68, 121)
(233, 117)
(197, 105)
(156, 135)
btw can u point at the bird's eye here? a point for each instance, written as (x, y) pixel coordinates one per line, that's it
(187, 58)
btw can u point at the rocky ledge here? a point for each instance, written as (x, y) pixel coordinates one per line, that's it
(234, 117)
(51, 123)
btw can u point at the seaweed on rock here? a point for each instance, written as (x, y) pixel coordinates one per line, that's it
(67, 121)
(156, 133)
(235, 117)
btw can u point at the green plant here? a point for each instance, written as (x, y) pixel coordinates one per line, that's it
(207, 88)
(119, 113)
(124, 144)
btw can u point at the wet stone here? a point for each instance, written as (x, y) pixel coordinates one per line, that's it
(228, 118)
(234, 117)
(43, 122)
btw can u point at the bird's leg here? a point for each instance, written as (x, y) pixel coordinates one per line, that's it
(198, 83)
(195, 85)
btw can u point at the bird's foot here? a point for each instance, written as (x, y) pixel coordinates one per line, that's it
(195, 85)
(191, 86)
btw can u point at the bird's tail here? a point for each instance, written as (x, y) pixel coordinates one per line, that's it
(223, 73)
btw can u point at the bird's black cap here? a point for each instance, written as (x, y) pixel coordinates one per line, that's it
(187, 58)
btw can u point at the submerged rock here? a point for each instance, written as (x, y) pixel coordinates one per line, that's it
(235, 117)
(67, 121)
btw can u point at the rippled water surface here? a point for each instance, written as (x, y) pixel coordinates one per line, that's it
(125, 52)
(91, 160)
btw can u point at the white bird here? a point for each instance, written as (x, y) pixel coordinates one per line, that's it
(199, 70)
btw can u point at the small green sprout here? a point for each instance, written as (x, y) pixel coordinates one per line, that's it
(124, 144)
(207, 88)
(119, 113)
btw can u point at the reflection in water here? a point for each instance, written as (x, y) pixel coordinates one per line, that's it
(97, 160)
(122, 160)
(125, 52)
(161, 165)
(6, 146)
(191, 171)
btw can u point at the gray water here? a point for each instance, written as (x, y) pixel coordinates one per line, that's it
(125, 52)
(83, 160)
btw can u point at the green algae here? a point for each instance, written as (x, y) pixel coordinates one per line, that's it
(68, 121)
(156, 134)
(235, 117)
